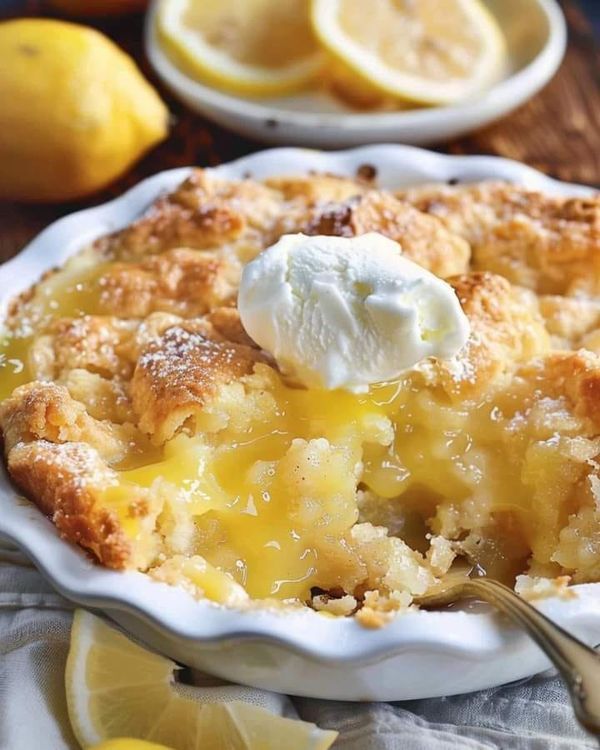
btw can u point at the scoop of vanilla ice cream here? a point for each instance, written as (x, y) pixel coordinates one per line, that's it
(339, 312)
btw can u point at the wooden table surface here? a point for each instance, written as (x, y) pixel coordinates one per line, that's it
(558, 131)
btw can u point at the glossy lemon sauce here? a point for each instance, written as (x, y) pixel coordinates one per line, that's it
(274, 514)
(260, 508)
(68, 294)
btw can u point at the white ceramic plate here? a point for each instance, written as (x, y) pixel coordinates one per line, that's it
(420, 654)
(536, 36)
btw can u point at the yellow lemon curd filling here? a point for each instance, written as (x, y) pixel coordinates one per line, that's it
(278, 502)
(72, 293)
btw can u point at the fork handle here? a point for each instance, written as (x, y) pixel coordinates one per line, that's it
(578, 664)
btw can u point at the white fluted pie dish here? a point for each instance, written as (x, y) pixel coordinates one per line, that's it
(420, 654)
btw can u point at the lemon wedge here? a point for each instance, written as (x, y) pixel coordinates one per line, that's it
(117, 689)
(253, 47)
(127, 743)
(427, 51)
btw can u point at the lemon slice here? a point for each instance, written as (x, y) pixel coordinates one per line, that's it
(127, 743)
(117, 689)
(428, 51)
(255, 47)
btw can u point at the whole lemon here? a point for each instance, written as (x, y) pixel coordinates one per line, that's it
(75, 111)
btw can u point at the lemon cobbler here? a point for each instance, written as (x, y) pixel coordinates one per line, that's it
(139, 414)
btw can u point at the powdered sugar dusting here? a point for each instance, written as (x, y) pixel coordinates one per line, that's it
(190, 359)
(79, 463)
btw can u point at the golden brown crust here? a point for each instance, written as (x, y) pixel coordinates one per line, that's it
(206, 212)
(95, 343)
(65, 481)
(180, 372)
(576, 375)
(550, 244)
(225, 321)
(506, 328)
(317, 188)
(569, 319)
(179, 281)
(46, 411)
(203, 212)
(422, 238)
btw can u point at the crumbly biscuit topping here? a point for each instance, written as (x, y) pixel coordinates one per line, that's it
(137, 413)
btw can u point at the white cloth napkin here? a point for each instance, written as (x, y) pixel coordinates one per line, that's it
(35, 624)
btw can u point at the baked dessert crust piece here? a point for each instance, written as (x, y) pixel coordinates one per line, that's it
(550, 244)
(157, 436)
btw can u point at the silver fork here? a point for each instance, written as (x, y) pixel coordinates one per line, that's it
(578, 664)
